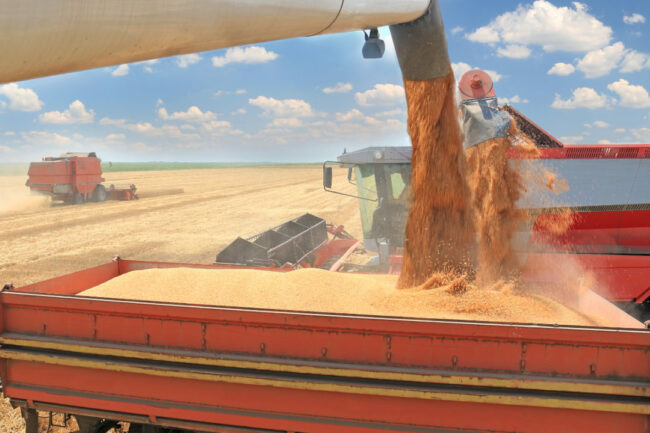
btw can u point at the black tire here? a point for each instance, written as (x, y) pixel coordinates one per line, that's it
(100, 194)
(77, 198)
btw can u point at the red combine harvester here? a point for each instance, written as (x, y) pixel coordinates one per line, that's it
(75, 178)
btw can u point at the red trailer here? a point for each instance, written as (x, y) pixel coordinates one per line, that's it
(169, 367)
(74, 178)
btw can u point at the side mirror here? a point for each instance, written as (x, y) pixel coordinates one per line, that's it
(327, 177)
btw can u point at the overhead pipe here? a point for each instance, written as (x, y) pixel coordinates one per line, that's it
(421, 46)
(47, 37)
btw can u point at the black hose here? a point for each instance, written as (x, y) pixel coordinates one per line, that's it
(421, 46)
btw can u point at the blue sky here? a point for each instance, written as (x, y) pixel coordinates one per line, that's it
(580, 70)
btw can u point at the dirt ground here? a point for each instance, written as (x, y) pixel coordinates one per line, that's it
(40, 240)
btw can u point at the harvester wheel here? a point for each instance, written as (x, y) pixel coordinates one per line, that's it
(100, 194)
(77, 198)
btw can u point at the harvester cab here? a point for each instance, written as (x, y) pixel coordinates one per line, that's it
(381, 176)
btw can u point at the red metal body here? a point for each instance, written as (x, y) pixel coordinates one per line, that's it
(74, 177)
(475, 84)
(65, 176)
(223, 369)
(123, 193)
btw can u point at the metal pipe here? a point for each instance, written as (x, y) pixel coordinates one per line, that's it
(47, 37)
(421, 46)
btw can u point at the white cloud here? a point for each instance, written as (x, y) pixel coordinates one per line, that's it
(287, 122)
(121, 70)
(355, 115)
(174, 131)
(561, 69)
(21, 99)
(456, 30)
(352, 115)
(186, 60)
(283, 107)
(604, 142)
(485, 34)
(635, 18)
(583, 97)
(514, 51)
(381, 94)
(115, 137)
(390, 113)
(572, 139)
(76, 113)
(630, 95)
(147, 65)
(140, 127)
(238, 111)
(635, 61)
(514, 100)
(600, 62)
(230, 92)
(6, 149)
(248, 55)
(600, 124)
(10, 133)
(620, 130)
(641, 134)
(339, 88)
(144, 147)
(159, 102)
(193, 114)
(44, 137)
(551, 27)
(461, 67)
(219, 128)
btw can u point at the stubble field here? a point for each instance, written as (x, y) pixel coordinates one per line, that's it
(40, 240)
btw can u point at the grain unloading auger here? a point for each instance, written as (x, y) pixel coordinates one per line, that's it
(175, 367)
(43, 38)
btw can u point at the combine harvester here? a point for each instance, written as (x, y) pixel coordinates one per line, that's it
(166, 367)
(74, 178)
(608, 227)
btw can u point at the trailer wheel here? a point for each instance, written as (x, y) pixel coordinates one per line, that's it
(77, 198)
(100, 194)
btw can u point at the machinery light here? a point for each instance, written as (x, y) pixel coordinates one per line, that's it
(374, 47)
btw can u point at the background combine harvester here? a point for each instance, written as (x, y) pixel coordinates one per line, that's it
(164, 366)
(74, 178)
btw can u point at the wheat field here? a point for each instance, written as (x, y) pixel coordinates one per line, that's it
(40, 239)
